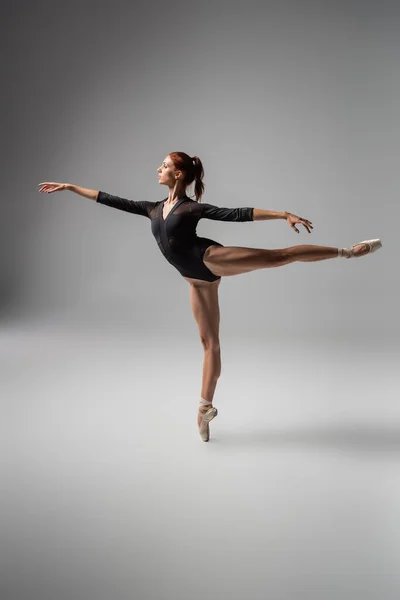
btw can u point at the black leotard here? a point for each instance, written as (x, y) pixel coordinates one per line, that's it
(176, 235)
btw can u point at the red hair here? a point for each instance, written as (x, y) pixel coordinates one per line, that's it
(193, 170)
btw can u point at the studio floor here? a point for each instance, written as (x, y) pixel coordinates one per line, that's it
(109, 492)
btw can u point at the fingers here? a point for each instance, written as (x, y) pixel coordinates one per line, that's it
(49, 187)
(49, 190)
(307, 224)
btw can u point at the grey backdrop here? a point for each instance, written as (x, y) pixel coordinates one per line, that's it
(110, 493)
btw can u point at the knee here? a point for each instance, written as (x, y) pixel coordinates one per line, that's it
(210, 344)
(279, 256)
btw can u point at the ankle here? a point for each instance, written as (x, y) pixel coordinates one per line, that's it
(205, 402)
(345, 253)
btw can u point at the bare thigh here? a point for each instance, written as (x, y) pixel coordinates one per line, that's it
(233, 260)
(205, 307)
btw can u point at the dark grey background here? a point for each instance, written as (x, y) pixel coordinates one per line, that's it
(109, 492)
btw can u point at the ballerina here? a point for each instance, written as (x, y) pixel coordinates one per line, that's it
(201, 261)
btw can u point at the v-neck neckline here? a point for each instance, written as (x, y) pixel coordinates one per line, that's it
(172, 209)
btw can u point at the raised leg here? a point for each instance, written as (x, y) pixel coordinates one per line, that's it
(233, 260)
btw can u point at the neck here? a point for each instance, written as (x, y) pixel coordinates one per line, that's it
(176, 192)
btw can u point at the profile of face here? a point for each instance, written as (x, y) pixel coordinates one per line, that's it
(167, 173)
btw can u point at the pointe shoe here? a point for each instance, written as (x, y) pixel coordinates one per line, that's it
(373, 245)
(204, 428)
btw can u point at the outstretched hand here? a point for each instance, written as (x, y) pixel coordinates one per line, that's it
(51, 186)
(292, 219)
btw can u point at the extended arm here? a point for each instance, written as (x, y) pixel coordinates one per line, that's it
(91, 194)
(219, 213)
(109, 199)
(262, 215)
(291, 219)
(137, 207)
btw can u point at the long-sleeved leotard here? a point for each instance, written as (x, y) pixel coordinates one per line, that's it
(176, 235)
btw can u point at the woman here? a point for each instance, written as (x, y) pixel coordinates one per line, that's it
(201, 261)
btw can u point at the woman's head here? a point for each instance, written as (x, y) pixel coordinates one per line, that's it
(180, 166)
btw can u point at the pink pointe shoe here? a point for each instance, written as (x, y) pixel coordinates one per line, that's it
(373, 245)
(204, 428)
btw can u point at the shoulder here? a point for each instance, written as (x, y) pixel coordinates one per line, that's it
(193, 205)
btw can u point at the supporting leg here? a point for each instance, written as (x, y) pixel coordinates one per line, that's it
(205, 308)
(211, 370)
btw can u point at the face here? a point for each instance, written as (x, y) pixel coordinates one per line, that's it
(167, 172)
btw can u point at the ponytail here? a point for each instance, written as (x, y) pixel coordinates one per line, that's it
(198, 177)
